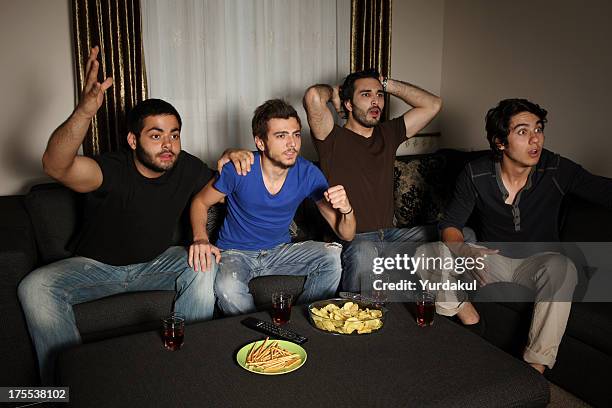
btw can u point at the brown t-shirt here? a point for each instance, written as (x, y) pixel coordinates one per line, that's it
(364, 166)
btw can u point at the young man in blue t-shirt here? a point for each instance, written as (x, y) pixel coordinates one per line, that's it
(254, 239)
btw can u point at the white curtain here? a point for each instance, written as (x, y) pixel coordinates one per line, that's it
(216, 61)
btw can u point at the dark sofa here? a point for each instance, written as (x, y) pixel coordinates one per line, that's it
(36, 229)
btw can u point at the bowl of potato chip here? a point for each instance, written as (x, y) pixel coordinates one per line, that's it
(344, 316)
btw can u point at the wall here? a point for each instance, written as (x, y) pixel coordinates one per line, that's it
(555, 53)
(37, 86)
(471, 52)
(416, 57)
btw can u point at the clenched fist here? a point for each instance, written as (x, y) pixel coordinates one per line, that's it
(338, 199)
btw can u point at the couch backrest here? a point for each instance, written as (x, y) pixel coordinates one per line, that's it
(424, 184)
(55, 214)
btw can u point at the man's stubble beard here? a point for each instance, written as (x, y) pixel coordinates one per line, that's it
(145, 158)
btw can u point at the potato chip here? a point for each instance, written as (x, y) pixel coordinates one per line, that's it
(347, 318)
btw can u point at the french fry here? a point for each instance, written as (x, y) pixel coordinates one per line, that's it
(270, 358)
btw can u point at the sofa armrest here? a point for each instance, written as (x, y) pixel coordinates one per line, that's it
(17, 259)
(18, 254)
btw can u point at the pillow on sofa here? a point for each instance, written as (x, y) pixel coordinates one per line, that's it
(420, 190)
(54, 212)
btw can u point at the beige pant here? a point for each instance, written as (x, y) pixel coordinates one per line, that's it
(550, 275)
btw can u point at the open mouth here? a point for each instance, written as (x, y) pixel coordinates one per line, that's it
(375, 112)
(534, 152)
(166, 156)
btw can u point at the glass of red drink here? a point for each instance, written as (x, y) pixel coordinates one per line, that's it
(425, 308)
(173, 331)
(281, 307)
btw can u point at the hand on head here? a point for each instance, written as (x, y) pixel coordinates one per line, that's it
(336, 101)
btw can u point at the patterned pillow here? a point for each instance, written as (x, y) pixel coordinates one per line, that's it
(420, 190)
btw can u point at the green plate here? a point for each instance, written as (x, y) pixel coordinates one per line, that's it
(287, 345)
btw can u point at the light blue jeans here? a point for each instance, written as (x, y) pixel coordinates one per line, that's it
(48, 294)
(358, 255)
(318, 261)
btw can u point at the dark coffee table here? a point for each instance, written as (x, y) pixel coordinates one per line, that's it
(403, 365)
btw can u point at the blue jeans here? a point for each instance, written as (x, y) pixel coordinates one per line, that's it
(358, 255)
(318, 261)
(48, 294)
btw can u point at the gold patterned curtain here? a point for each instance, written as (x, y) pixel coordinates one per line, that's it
(371, 37)
(114, 25)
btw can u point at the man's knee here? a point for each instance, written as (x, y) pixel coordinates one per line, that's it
(203, 282)
(561, 270)
(359, 254)
(33, 288)
(29, 288)
(432, 250)
(331, 255)
(228, 280)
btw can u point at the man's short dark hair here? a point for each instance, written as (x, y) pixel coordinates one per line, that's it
(271, 109)
(347, 89)
(497, 121)
(146, 108)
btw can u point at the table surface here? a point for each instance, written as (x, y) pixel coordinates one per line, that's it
(402, 365)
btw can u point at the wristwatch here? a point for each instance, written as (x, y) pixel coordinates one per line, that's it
(384, 84)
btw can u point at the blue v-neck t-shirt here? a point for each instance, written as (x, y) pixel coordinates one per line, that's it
(256, 219)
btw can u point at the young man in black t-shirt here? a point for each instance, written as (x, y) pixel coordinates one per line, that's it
(134, 202)
(515, 195)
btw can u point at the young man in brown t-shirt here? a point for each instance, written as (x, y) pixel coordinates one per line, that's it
(360, 157)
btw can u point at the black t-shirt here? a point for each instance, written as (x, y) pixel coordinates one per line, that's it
(131, 219)
(534, 215)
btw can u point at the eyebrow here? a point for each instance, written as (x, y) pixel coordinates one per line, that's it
(284, 132)
(161, 130)
(370, 90)
(539, 122)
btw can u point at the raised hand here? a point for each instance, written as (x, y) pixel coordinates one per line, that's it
(92, 94)
(335, 100)
(338, 199)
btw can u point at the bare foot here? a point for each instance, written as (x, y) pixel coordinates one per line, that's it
(468, 314)
(539, 367)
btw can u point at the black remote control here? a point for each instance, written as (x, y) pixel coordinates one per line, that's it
(274, 331)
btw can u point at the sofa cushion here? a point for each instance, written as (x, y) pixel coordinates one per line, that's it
(122, 314)
(420, 190)
(581, 221)
(262, 288)
(54, 213)
(591, 323)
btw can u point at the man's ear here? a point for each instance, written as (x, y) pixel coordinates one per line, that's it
(259, 143)
(348, 106)
(132, 141)
(499, 144)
